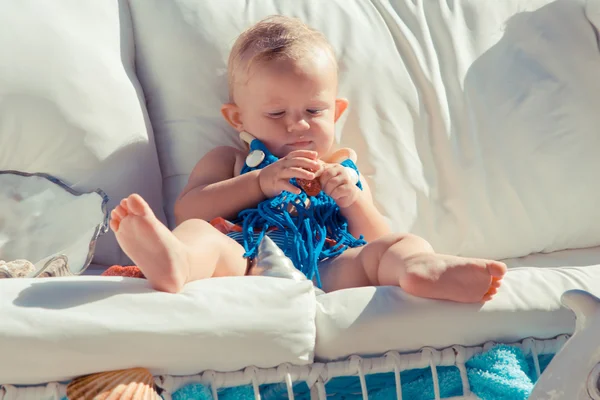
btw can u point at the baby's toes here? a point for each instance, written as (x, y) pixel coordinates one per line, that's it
(123, 204)
(487, 297)
(136, 205)
(118, 213)
(114, 223)
(496, 282)
(496, 269)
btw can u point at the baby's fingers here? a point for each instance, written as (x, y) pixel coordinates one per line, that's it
(302, 162)
(311, 155)
(287, 186)
(295, 172)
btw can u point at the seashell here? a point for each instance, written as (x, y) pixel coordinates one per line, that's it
(126, 384)
(5, 273)
(33, 223)
(56, 267)
(16, 269)
(271, 261)
(312, 188)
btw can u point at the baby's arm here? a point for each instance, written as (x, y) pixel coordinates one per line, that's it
(364, 218)
(356, 205)
(213, 190)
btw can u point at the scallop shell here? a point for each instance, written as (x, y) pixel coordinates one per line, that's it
(126, 384)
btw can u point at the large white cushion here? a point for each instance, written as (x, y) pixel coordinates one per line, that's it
(57, 328)
(475, 121)
(70, 104)
(375, 320)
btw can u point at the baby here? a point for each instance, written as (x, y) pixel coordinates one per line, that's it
(283, 83)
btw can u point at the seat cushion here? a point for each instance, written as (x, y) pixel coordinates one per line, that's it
(375, 320)
(71, 105)
(59, 328)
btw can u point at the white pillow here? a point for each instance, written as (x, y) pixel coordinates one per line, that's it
(71, 105)
(60, 328)
(372, 321)
(465, 115)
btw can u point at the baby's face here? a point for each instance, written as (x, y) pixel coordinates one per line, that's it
(291, 106)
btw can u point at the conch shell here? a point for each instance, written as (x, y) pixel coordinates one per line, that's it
(271, 261)
(126, 384)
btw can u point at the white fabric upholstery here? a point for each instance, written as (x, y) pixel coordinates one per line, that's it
(93, 324)
(71, 105)
(375, 320)
(464, 114)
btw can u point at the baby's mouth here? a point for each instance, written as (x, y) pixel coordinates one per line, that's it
(301, 143)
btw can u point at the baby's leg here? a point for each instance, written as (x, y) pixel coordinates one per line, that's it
(409, 261)
(194, 250)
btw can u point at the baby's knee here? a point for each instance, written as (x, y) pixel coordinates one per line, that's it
(408, 240)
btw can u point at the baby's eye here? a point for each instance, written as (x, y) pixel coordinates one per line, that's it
(276, 114)
(314, 111)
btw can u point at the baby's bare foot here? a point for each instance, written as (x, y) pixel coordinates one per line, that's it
(465, 280)
(149, 243)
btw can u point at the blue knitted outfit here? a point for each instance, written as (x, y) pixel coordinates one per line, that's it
(315, 231)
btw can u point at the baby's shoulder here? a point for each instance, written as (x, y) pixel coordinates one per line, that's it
(223, 157)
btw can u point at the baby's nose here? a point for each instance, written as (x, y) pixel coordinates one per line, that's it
(299, 125)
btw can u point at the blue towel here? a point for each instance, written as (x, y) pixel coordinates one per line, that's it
(501, 373)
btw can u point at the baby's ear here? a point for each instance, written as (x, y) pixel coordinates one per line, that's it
(340, 107)
(231, 113)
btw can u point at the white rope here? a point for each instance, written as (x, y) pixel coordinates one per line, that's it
(316, 373)
(6, 392)
(459, 352)
(211, 376)
(166, 384)
(253, 372)
(434, 375)
(529, 346)
(358, 364)
(317, 391)
(396, 361)
(284, 370)
(50, 391)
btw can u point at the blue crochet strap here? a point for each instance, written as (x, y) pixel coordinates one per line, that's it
(257, 145)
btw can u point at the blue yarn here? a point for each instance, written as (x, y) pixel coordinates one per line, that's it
(197, 391)
(307, 231)
(501, 373)
(193, 391)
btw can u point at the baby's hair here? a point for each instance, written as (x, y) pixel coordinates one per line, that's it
(275, 38)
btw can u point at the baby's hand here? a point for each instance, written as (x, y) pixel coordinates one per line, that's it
(338, 183)
(274, 178)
